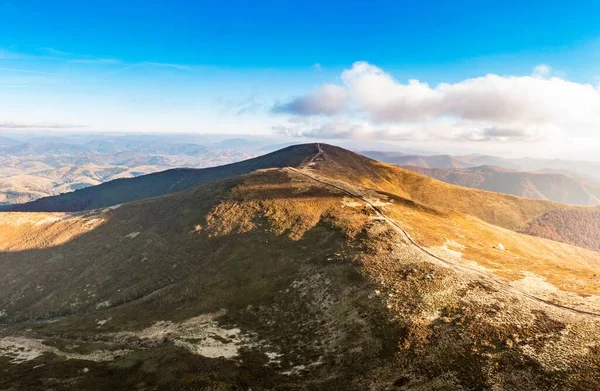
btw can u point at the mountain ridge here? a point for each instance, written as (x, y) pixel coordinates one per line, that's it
(503, 210)
(291, 279)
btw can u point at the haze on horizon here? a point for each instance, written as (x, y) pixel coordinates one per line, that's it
(461, 77)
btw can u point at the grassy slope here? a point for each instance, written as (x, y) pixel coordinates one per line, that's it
(289, 235)
(501, 251)
(313, 274)
(510, 212)
(499, 209)
(567, 267)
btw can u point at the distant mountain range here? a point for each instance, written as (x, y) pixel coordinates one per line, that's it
(573, 168)
(45, 166)
(539, 185)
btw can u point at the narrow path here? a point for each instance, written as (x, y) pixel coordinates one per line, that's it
(317, 155)
(501, 284)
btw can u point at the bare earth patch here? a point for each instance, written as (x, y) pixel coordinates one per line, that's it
(200, 335)
(22, 349)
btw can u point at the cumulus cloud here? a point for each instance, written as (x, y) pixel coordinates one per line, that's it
(487, 108)
(494, 98)
(326, 100)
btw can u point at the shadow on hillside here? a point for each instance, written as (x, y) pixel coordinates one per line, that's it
(149, 247)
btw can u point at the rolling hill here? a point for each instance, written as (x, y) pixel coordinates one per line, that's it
(544, 186)
(506, 211)
(322, 272)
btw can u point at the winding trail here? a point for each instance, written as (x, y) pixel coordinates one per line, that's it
(500, 284)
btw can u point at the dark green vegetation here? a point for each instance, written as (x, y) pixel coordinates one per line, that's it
(282, 279)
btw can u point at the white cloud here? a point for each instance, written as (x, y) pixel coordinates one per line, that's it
(55, 52)
(326, 100)
(157, 65)
(499, 99)
(74, 58)
(179, 67)
(487, 108)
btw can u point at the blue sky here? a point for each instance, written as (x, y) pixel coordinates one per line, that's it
(292, 34)
(222, 66)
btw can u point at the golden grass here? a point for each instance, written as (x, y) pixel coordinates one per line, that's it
(507, 211)
(290, 208)
(567, 267)
(26, 231)
(293, 208)
(499, 209)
